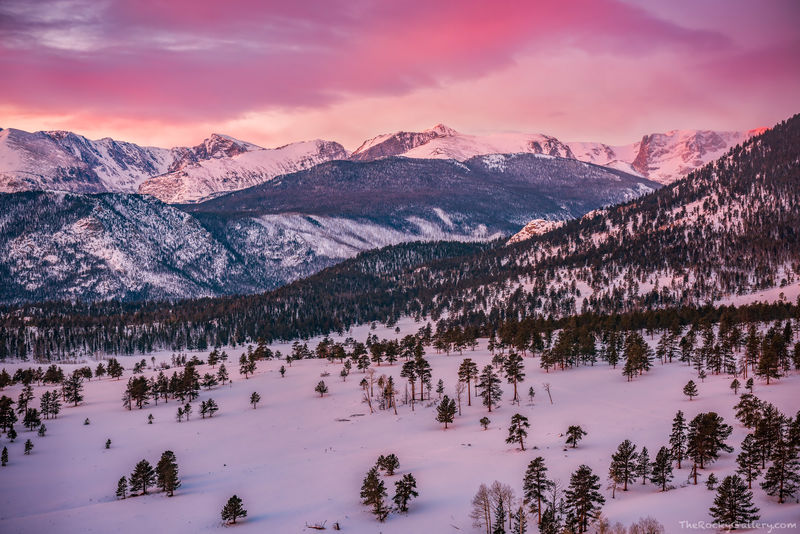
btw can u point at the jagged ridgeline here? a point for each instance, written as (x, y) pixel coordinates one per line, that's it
(730, 228)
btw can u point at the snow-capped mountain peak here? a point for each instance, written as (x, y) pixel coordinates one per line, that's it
(442, 130)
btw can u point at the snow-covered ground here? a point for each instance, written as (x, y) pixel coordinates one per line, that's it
(299, 458)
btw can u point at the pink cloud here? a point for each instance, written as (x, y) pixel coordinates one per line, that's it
(200, 62)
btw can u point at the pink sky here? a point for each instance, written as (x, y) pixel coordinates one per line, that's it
(171, 72)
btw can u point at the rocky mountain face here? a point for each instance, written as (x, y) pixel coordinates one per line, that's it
(534, 228)
(133, 247)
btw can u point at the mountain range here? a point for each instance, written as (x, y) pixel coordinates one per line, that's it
(725, 234)
(134, 247)
(65, 161)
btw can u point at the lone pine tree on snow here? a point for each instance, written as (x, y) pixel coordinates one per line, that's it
(749, 460)
(255, 398)
(518, 430)
(490, 387)
(733, 503)
(388, 463)
(690, 389)
(373, 493)
(321, 388)
(467, 372)
(623, 464)
(233, 510)
(574, 434)
(28, 446)
(405, 490)
(446, 411)
(536, 485)
(167, 473)
(122, 488)
(643, 465)
(583, 497)
(705, 439)
(783, 476)
(142, 477)
(484, 421)
(515, 372)
(661, 469)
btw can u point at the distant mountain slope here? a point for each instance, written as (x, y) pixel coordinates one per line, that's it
(90, 247)
(65, 161)
(55, 246)
(479, 197)
(242, 166)
(662, 157)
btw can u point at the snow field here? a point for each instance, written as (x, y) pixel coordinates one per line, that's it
(299, 458)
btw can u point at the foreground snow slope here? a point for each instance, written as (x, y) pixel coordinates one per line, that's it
(300, 458)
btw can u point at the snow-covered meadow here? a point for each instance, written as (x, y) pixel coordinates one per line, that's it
(299, 459)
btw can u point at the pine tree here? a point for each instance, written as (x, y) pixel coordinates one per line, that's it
(783, 476)
(73, 388)
(490, 387)
(31, 419)
(255, 398)
(768, 431)
(690, 389)
(4, 457)
(167, 473)
(28, 446)
(515, 372)
(233, 509)
(520, 521)
(711, 481)
(705, 439)
(122, 488)
(535, 486)
(748, 410)
(749, 460)
(623, 464)
(733, 503)
(7, 415)
(42, 431)
(484, 421)
(735, 385)
(583, 497)
(661, 469)
(222, 374)
(518, 430)
(142, 477)
(643, 465)
(499, 517)
(321, 388)
(446, 411)
(424, 372)
(574, 434)
(405, 489)
(467, 372)
(388, 463)
(373, 493)
(114, 368)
